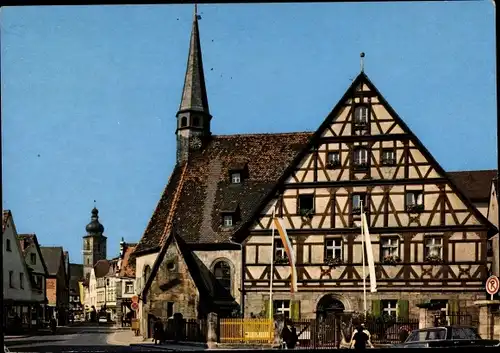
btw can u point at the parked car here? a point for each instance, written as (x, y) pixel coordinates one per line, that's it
(446, 337)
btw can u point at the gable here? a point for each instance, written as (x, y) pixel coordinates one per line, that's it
(30, 247)
(14, 261)
(413, 168)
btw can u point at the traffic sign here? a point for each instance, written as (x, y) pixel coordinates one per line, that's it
(134, 306)
(135, 299)
(492, 285)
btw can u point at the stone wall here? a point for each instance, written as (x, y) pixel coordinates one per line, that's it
(173, 283)
(233, 258)
(353, 301)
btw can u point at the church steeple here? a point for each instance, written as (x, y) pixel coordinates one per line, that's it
(193, 117)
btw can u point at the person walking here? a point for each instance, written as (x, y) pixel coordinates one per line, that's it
(360, 339)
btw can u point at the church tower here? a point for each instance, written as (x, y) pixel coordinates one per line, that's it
(94, 243)
(193, 117)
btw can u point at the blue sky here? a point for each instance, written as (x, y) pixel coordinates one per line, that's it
(89, 94)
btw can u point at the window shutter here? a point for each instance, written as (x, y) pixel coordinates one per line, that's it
(376, 305)
(453, 311)
(403, 310)
(266, 308)
(295, 310)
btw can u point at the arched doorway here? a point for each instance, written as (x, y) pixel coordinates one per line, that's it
(328, 318)
(328, 306)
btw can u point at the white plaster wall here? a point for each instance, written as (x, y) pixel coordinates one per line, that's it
(14, 261)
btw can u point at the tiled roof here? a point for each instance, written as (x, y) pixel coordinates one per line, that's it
(52, 255)
(206, 188)
(76, 275)
(475, 184)
(101, 268)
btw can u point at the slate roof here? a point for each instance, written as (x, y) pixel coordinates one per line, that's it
(475, 184)
(52, 255)
(206, 188)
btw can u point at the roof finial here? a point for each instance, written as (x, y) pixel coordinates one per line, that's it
(196, 11)
(362, 55)
(94, 204)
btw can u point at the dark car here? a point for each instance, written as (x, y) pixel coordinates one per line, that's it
(446, 336)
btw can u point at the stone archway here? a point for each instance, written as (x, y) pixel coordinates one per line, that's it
(329, 305)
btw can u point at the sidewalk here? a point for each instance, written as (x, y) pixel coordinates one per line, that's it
(125, 337)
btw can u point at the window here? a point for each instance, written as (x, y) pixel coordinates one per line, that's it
(170, 309)
(196, 121)
(489, 248)
(21, 280)
(279, 250)
(389, 307)
(361, 115)
(33, 259)
(306, 204)
(433, 248)
(222, 273)
(282, 307)
(184, 121)
(228, 221)
(389, 248)
(7, 245)
(360, 159)
(333, 249)
(88, 261)
(333, 159)
(235, 178)
(388, 156)
(129, 287)
(11, 279)
(414, 200)
(357, 199)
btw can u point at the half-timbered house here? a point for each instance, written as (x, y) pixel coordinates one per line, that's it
(211, 226)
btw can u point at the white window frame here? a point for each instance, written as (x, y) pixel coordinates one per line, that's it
(129, 287)
(334, 247)
(282, 307)
(228, 220)
(415, 201)
(387, 242)
(360, 156)
(434, 244)
(388, 309)
(236, 178)
(279, 247)
(333, 157)
(388, 155)
(361, 113)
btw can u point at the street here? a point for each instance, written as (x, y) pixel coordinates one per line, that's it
(78, 339)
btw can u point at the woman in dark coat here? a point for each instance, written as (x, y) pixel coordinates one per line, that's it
(158, 331)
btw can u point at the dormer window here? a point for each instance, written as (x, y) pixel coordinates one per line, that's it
(235, 178)
(228, 221)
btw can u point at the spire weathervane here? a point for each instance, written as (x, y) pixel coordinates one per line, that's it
(196, 16)
(362, 55)
(94, 203)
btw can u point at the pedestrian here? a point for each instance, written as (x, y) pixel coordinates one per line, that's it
(158, 331)
(293, 338)
(360, 339)
(365, 330)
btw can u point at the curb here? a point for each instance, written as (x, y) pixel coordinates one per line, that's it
(155, 347)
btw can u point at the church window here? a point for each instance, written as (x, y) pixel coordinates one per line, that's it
(333, 159)
(196, 121)
(228, 220)
(235, 178)
(306, 204)
(361, 115)
(414, 200)
(222, 273)
(184, 121)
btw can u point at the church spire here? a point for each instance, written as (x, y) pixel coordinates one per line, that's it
(194, 93)
(193, 117)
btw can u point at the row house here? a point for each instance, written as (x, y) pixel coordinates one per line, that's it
(24, 274)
